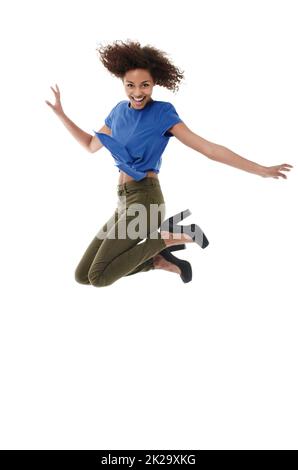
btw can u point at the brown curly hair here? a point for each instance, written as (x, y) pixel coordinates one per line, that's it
(120, 58)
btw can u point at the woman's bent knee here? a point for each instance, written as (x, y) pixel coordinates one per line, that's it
(81, 277)
(97, 279)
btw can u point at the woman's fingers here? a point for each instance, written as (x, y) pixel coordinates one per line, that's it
(50, 104)
(280, 168)
(57, 93)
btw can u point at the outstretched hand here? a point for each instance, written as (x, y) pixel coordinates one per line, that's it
(276, 171)
(56, 107)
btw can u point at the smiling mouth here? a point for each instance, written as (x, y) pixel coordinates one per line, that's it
(138, 101)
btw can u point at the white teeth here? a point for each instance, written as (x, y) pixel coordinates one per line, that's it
(138, 100)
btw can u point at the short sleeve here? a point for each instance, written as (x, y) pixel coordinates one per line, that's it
(109, 118)
(169, 117)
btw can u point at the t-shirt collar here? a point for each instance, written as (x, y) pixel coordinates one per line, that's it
(133, 109)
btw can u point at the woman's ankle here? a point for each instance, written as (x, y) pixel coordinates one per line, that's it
(174, 238)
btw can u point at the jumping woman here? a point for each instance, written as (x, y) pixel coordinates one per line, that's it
(136, 132)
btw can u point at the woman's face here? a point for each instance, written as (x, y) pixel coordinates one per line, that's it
(138, 83)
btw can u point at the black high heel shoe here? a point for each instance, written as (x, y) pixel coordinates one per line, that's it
(175, 247)
(185, 266)
(193, 230)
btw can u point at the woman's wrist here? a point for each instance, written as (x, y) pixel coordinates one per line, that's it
(262, 170)
(61, 114)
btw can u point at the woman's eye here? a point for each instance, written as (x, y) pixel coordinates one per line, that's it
(146, 84)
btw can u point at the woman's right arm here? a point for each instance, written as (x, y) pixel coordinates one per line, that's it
(81, 136)
(89, 142)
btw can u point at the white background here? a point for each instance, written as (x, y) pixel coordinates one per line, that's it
(149, 362)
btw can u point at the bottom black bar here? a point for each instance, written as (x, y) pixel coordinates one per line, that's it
(92, 459)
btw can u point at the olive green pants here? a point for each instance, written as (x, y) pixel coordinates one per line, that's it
(128, 241)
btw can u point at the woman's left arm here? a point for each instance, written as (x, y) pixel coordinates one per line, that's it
(224, 155)
(221, 154)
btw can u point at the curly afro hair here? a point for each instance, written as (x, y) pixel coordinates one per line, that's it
(120, 58)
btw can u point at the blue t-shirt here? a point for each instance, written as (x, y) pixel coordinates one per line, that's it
(139, 136)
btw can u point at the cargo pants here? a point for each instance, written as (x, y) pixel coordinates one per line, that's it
(128, 241)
